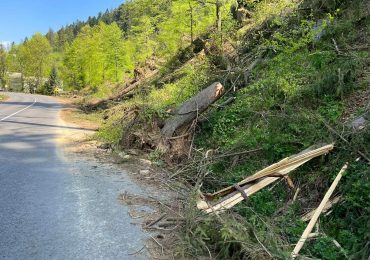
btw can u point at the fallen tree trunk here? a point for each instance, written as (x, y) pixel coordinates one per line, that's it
(192, 108)
(131, 87)
(124, 92)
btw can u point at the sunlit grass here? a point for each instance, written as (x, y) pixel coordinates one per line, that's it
(3, 98)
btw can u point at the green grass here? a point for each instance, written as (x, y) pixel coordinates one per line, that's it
(299, 85)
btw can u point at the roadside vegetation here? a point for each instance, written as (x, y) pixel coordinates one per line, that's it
(3, 98)
(132, 67)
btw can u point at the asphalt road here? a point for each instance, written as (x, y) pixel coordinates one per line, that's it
(52, 205)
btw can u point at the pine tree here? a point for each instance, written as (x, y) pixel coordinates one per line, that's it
(53, 80)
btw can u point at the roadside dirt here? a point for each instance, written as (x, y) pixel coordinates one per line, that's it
(162, 196)
(3, 98)
(77, 117)
(71, 114)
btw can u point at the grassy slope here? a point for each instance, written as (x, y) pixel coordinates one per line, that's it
(300, 86)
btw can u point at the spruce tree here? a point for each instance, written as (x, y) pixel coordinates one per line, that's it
(53, 80)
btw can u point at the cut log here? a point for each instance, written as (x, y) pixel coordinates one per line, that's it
(192, 108)
(317, 213)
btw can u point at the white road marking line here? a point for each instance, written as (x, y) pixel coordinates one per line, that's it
(5, 118)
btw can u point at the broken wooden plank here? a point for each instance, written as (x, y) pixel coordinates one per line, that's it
(296, 194)
(192, 108)
(292, 163)
(289, 181)
(306, 217)
(317, 213)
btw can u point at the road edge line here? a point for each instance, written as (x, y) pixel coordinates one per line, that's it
(23, 109)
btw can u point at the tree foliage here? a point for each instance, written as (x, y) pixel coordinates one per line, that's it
(108, 47)
(3, 65)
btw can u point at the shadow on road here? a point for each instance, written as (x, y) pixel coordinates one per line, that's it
(47, 125)
(41, 104)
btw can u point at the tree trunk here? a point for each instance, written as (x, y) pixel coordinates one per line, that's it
(192, 108)
(116, 63)
(219, 20)
(191, 24)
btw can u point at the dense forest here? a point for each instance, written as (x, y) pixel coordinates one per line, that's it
(107, 48)
(293, 74)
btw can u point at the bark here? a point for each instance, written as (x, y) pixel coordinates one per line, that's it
(192, 108)
(219, 20)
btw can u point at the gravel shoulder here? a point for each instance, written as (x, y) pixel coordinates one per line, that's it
(154, 196)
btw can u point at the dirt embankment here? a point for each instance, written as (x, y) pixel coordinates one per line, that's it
(71, 114)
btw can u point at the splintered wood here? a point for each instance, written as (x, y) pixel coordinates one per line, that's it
(233, 195)
(317, 213)
(306, 217)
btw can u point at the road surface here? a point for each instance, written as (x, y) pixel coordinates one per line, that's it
(53, 206)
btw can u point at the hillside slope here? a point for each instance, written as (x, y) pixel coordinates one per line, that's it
(309, 82)
(253, 82)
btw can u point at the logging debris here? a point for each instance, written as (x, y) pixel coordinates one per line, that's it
(317, 213)
(232, 195)
(306, 217)
(173, 137)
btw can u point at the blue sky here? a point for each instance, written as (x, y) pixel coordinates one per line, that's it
(22, 18)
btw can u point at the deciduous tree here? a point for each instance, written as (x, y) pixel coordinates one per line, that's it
(3, 65)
